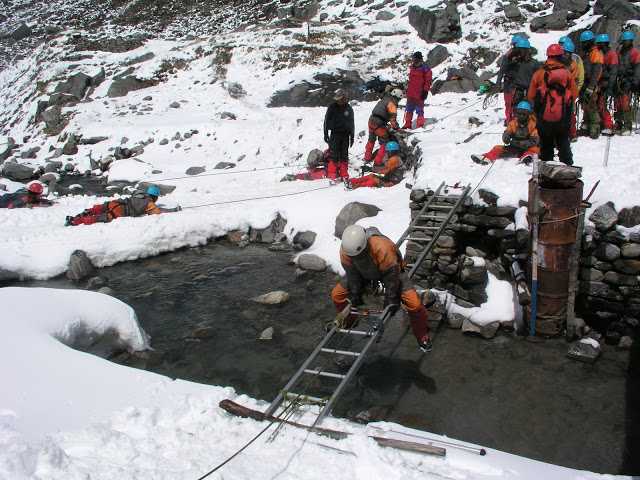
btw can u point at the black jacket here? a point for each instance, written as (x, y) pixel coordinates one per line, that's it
(339, 120)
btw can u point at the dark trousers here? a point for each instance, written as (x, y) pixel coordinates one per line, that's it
(555, 135)
(339, 145)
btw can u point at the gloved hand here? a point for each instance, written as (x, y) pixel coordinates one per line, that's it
(506, 138)
(351, 141)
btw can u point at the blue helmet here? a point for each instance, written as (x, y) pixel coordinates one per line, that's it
(153, 190)
(524, 105)
(567, 44)
(587, 36)
(515, 38)
(602, 38)
(522, 43)
(627, 35)
(392, 146)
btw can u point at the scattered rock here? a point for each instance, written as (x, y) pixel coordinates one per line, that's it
(164, 141)
(554, 21)
(234, 89)
(228, 116)
(71, 146)
(194, 170)
(629, 217)
(76, 85)
(485, 331)
(586, 350)
(17, 172)
(174, 105)
(488, 196)
(121, 86)
(96, 283)
(92, 140)
(578, 6)
(80, 266)
(440, 25)
(385, 15)
(267, 334)
(53, 118)
(512, 12)
(604, 217)
(304, 240)
(7, 145)
(139, 59)
(625, 343)
(620, 10)
(455, 320)
(437, 55)
(311, 262)
(351, 213)
(21, 32)
(270, 233)
(272, 298)
(224, 165)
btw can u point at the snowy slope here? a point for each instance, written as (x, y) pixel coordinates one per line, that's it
(68, 415)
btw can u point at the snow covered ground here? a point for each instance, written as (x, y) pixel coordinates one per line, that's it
(68, 415)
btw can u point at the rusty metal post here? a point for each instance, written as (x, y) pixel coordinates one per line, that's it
(574, 267)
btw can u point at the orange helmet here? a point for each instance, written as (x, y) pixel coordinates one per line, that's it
(555, 50)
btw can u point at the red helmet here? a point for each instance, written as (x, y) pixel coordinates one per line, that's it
(36, 188)
(555, 50)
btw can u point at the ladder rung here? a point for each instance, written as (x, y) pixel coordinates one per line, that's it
(340, 352)
(433, 217)
(354, 332)
(450, 197)
(440, 207)
(324, 374)
(305, 398)
(418, 239)
(426, 228)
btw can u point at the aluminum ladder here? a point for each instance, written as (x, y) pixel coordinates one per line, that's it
(374, 333)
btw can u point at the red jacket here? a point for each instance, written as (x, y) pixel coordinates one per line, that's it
(419, 82)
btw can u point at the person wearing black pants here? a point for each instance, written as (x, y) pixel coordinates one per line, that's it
(339, 121)
(555, 135)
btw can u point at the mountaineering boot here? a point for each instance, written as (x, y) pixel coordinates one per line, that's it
(68, 221)
(408, 120)
(425, 345)
(368, 151)
(420, 121)
(526, 159)
(289, 177)
(480, 159)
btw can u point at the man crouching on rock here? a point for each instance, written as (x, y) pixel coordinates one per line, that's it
(368, 256)
(137, 205)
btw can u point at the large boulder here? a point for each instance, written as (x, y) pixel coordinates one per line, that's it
(628, 217)
(53, 119)
(20, 32)
(300, 10)
(17, 171)
(459, 80)
(272, 298)
(304, 240)
(121, 86)
(436, 25)
(311, 262)
(351, 213)
(577, 6)
(554, 21)
(76, 85)
(620, 10)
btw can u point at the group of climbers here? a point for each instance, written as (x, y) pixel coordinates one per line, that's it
(611, 77)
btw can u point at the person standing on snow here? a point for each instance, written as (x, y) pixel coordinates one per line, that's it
(137, 205)
(25, 198)
(385, 174)
(383, 117)
(368, 256)
(520, 138)
(420, 78)
(553, 92)
(574, 63)
(339, 133)
(608, 83)
(628, 81)
(516, 68)
(593, 61)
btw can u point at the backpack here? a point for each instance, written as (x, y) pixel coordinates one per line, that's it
(555, 96)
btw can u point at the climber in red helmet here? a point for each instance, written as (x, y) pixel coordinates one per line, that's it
(25, 197)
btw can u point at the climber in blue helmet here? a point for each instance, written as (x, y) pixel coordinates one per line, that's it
(628, 81)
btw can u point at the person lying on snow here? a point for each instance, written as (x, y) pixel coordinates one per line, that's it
(137, 205)
(385, 174)
(318, 167)
(520, 138)
(25, 198)
(367, 257)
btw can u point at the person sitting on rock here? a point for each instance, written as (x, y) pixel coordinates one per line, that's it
(420, 78)
(137, 205)
(384, 115)
(25, 198)
(520, 138)
(387, 173)
(368, 256)
(317, 166)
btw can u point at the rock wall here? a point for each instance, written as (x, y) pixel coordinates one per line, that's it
(608, 296)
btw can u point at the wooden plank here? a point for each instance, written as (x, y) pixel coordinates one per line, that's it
(411, 446)
(245, 412)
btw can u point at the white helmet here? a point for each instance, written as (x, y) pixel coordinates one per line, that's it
(354, 240)
(396, 92)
